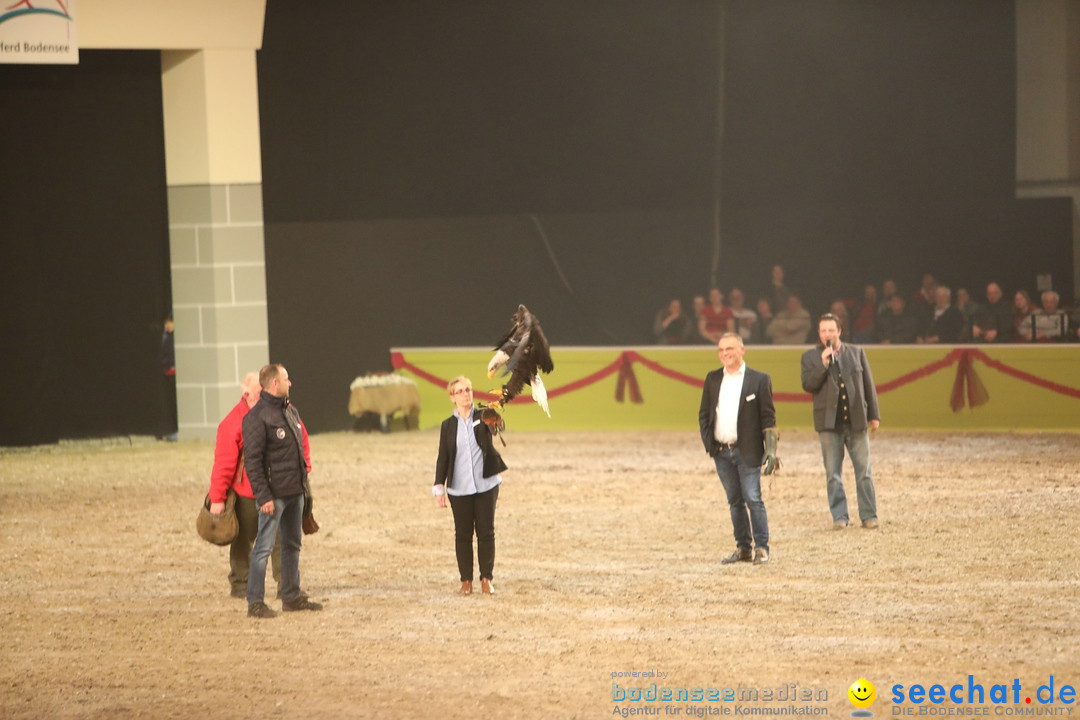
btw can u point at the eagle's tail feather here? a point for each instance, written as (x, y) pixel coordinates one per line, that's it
(539, 393)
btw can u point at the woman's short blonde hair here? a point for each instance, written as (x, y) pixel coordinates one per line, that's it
(459, 379)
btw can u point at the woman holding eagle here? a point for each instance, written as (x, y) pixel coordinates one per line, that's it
(468, 469)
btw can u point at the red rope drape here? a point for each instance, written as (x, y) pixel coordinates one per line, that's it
(967, 387)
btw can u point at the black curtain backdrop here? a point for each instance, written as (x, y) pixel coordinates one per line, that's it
(84, 274)
(429, 165)
(874, 140)
(424, 108)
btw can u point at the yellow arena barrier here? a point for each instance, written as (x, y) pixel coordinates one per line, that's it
(942, 387)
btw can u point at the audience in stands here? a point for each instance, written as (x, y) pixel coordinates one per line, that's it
(699, 305)
(862, 327)
(1023, 307)
(745, 318)
(716, 318)
(765, 318)
(839, 308)
(969, 310)
(945, 320)
(790, 326)
(888, 289)
(888, 318)
(1047, 324)
(672, 326)
(922, 302)
(897, 326)
(994, 323)
(778, 292)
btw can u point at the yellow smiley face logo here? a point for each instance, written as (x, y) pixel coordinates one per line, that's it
(862, 693)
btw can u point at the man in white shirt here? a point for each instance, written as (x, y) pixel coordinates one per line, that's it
(738, 428)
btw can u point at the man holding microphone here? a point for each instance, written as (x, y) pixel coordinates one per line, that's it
(845, 411)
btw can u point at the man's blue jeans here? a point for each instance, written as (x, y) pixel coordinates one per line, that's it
(857, 443)
(742, 483)
(288, 516)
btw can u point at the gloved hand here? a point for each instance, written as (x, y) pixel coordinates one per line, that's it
(771, 462)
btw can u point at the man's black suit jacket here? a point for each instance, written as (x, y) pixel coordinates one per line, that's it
(756, 413)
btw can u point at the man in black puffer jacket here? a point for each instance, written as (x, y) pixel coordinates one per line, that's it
(276, 466)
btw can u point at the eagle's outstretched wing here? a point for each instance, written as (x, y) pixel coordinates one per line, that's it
(523, 353)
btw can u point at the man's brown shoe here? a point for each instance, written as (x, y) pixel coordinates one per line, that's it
(839, 525)
(740, 555)
(466, 587)
(761, 556)
(486, 588)
(870, 525)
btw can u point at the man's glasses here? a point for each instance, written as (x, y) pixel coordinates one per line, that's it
(461, 391)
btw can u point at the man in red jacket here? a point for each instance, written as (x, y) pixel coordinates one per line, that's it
(228, 473)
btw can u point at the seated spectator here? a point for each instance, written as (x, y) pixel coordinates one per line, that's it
(765, 318)
(897, 327)
(1023, 308)
(1045, 325)
(862, 330)
(994, 323)
(839, 308)
(888, 289)
(671, 326)
(945, 322)
(699, 305)
(745, 318)
(778, 292)
(716, 318)
(790, 326)
(1074, 321)
(922, 302)
(969, 310)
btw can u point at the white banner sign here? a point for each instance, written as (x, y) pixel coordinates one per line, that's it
(38, 32)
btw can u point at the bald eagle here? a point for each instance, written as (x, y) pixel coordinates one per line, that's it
(522, 353)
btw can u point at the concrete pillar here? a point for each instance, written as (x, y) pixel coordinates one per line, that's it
(214, 179)
(1048, 106)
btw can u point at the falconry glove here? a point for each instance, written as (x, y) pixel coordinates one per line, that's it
(771, 462)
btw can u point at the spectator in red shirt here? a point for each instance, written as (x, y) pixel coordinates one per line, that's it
(716, 318)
